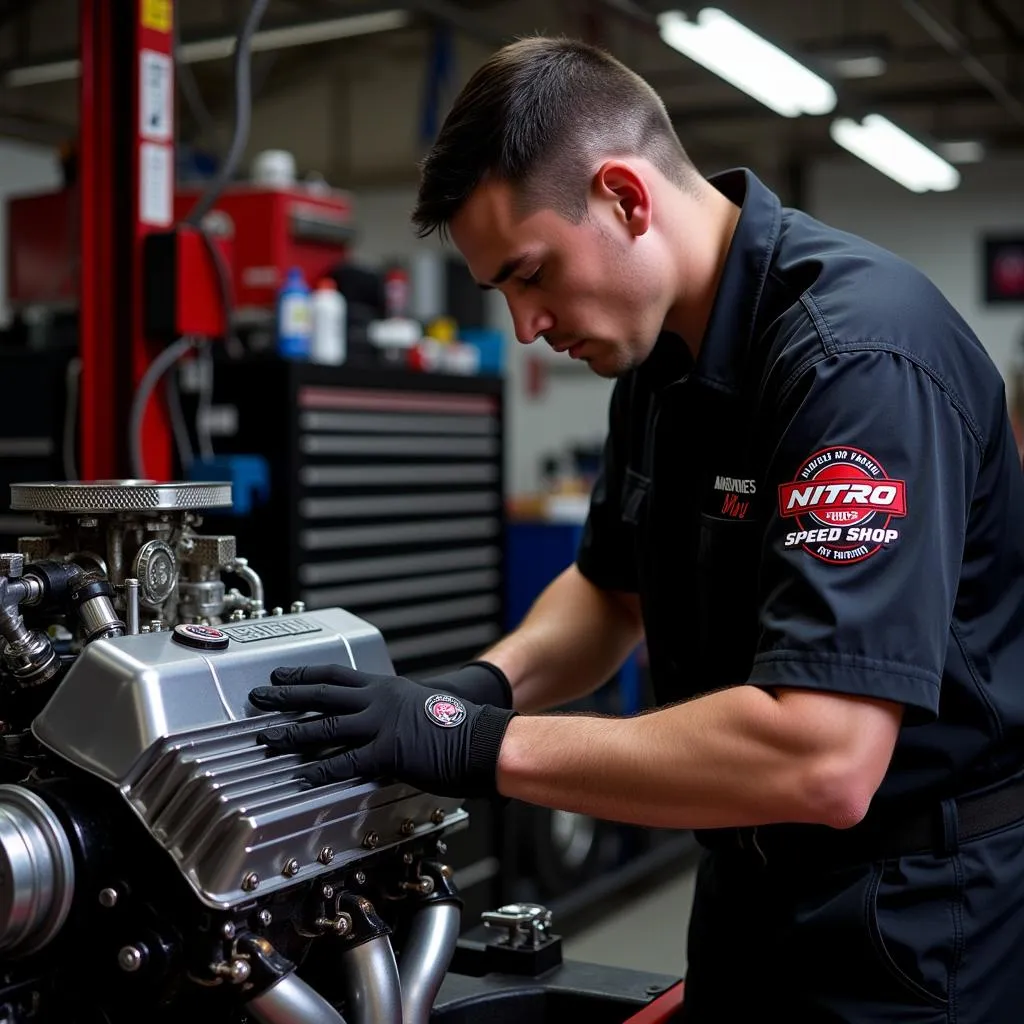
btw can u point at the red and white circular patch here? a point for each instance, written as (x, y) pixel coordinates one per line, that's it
(843, 504)
(445, 710)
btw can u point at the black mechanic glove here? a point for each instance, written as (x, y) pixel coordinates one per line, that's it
(395, 728)
(479, 682)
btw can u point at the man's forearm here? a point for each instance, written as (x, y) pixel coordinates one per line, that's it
(733, 758)
(574, 638)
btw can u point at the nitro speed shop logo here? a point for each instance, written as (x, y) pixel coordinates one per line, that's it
(843, 505)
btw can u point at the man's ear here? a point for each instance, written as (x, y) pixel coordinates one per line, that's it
(620, 183)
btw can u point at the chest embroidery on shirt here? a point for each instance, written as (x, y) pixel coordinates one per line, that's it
(843, 504)
(735, 493)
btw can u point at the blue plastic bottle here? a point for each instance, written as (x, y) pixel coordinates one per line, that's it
(294, 317)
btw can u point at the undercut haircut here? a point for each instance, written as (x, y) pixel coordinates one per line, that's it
(538, 115)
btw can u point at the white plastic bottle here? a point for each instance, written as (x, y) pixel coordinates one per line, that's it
(330, 312)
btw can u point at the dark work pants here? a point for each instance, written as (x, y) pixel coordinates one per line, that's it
(927, 938)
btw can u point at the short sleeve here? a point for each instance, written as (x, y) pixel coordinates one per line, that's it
(871, 483)
(606, 554)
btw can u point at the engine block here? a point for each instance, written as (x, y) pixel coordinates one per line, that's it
(169, 725)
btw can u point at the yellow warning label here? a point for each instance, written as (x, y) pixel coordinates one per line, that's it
(157, 14)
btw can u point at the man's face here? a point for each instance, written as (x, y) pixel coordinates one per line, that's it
(590, 290)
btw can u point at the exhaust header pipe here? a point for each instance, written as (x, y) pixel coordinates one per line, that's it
(433, 934)
(292, 1001)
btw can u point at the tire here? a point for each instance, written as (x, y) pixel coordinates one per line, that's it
(563, 850)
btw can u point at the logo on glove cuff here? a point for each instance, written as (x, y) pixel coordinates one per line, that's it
(444, 710)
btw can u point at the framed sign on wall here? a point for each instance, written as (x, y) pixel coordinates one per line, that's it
(1003, 268)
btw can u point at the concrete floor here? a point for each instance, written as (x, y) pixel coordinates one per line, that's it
(648, 933)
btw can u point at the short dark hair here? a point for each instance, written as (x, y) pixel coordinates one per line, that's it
(536, 114)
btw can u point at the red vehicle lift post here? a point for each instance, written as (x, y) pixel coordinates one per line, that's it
(126, 178)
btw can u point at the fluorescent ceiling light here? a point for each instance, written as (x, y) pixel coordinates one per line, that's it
(878, 142)
(962, 151)
(752, 64)
(298, 35)
(217, 49)
(867, 66)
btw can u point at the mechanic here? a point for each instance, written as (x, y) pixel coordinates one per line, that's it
(812, 510)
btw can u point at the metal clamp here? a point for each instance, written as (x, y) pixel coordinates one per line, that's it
(527, 924)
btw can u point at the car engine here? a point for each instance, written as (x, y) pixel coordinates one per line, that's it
(156, 862)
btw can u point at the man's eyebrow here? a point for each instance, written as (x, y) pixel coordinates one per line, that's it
(505, 271)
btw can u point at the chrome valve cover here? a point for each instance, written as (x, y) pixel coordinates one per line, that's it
(165, 718)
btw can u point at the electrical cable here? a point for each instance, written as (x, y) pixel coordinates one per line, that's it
(243, 115)
(203, 435)
(182, 440)
(194, 100)
(233, 346)
(156, 369)
(240, 137)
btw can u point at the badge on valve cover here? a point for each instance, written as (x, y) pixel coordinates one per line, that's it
(204, 638)
(444, 710)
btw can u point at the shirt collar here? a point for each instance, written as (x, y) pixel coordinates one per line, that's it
(730, 328)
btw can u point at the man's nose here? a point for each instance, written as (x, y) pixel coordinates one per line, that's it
(531, 322)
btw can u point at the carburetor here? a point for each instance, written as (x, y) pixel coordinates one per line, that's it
(142, 538)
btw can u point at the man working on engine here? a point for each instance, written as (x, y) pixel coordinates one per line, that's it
(812, 510)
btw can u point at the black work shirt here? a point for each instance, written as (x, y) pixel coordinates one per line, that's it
(830, 498)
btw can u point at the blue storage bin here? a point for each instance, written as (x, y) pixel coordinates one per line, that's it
(491, 345)
(536, 553)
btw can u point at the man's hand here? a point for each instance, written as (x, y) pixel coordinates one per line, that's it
(395, 728)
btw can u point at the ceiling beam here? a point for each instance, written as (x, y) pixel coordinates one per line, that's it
(228, 32)
(953, 40)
